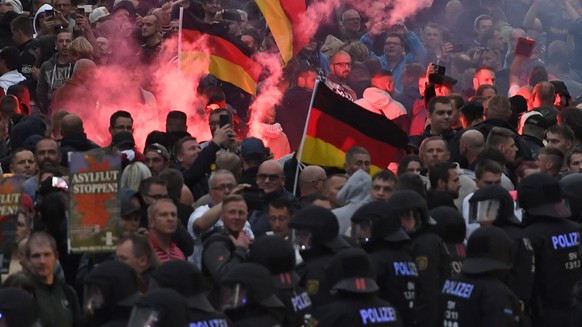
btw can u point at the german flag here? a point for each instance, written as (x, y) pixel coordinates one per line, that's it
(230, 58)
(336, 124)
(284, 18)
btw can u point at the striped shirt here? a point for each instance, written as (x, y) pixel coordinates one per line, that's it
(174, 253)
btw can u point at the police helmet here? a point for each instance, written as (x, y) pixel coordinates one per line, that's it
(450, 226)
(247, 284)
(313, 225)
(184, 278)
(160, 308)
(408, 202)
(277, 255)
(489, 249)
(111, 283)
(376, 221)
(18, 308)
(540, 195)
(492, 204)
(571, 186)
(352, 270)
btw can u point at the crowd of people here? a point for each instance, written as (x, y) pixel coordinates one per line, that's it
(476, 223)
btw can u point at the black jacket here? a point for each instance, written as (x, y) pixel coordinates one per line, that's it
(75, 142)
(357, 310)
(196, 176)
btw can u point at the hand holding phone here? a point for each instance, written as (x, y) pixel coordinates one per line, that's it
(223, 120)
(524, 47)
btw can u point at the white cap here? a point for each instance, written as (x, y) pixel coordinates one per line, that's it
(97, 14)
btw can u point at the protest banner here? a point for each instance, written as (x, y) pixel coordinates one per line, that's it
(10, 197)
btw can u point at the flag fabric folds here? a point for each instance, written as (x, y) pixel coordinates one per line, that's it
(336, 124)
(230, 58)
(284, 18)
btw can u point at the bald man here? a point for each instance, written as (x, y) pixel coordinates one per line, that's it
(271, 180)
(74, 137)
(471, 144)
(311, 180)
(340, 69)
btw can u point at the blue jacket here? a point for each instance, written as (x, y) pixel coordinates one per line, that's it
(417, 54)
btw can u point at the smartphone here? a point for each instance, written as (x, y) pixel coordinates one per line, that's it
(224, 120)
(88, 8)
(524, 47)
(438, 76)
(457, 47)
(59, 182)
(49, 14)
(80, 11)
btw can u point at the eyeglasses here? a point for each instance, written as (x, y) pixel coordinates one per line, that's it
(262, 177)
(343, 64)
(158, 196)
(223, 187)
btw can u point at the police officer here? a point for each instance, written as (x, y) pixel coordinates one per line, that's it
(18, 308)
(184, 278)
(493, 205)
(248, 297)
(451, 227)
(477, 296)
(314, 231)
(110, 291)
(376, 225)
(572, 192)
(556, 243)
(162, 307)
(352, 278)
(278, 255)
(429, 251)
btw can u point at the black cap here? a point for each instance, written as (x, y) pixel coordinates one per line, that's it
(117, 281)
(488, 249)
(386, 223)
(184, 278)
(352, 270)
(252, 146)
(506, 204)
(450, 224)
(550, 113)
(277, 255)
(473, 109)
(561, 88)
(18, 307)
(257, 280)
(123, 139)
(540, 195)
(536, 119)
(128, 208)
(321, 222)
(171, 306)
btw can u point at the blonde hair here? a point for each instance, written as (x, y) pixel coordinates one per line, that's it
(82, 48)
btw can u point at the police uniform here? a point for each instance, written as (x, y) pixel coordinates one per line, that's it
(260, 307)
(556, 243)
(351, 275)
(118, 284)
(571, 186)
(18, 307)
(324, 228)
(397, 274)
(477, 296)
(278, 255)
(184, 278)
(164, 306)
(430, 254)
(451, 228)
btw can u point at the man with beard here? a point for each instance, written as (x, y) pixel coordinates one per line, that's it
(46, 153)
(444, 185)
(337, 80)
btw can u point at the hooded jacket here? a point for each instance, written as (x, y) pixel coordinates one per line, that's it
(36, 24)
(10, 78)
(351, 197)
(275, 139)
(52, 76)
(380, 102)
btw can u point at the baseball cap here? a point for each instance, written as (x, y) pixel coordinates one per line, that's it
(97, 14)
(561, 88)
(540, 195)
(16, 5)
(472, 108)
(159, 149)
(536, 118)
(128, 208)
(252, 146)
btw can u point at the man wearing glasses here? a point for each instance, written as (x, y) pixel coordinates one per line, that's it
(337, 79)
(271, 180)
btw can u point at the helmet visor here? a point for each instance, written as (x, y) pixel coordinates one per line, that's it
(143, 317)
(302, 239)
(93, 299)
(233, 296)
(484, 211)
(362, 231)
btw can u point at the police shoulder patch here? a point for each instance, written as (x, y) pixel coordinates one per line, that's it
(422, 262)
(312, 286)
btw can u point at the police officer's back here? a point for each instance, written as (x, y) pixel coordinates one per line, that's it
(571, 186)
(352, 279)
(493, 205)
(18, 308)
(477, 296)
(451, 227)
(429, 251)
(248, 297)
(184, 278)
(278, 255)
(315, 233)
(162, 307)
(377, 227)
(109, 294)
(556, 243)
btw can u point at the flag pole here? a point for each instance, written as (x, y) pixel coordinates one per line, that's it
(181, 19)
(300, 154)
